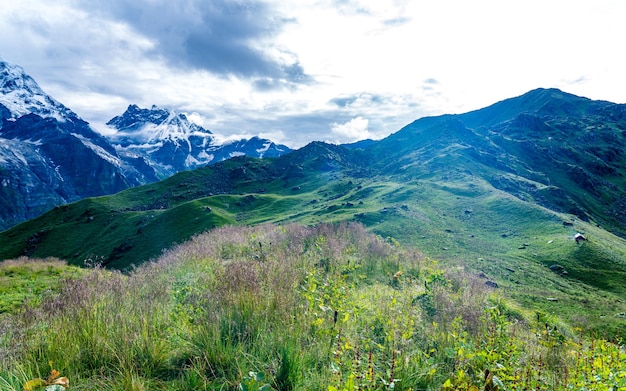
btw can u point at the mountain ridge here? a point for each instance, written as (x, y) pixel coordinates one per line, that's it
(170, 143)
(509, 155)
(169, 125)
(503, 199)
(20, 94)
(49, 156)
(557, 140)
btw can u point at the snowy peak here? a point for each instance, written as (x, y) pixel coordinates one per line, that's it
(134, 117)
(255, 146)
(49, 156)
(152, 125)
(20, 95)
(170, 143)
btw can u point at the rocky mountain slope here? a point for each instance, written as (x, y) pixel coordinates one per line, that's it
(49, 156)
(170, 143)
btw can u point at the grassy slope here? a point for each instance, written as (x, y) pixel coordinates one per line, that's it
(289, 307)
(489, 190)
(459, 220)
(26, 281)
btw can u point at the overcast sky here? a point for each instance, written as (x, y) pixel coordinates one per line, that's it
(298, 71)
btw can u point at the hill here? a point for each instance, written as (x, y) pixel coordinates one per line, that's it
(330, 307)
(49, 156)
(500, 192)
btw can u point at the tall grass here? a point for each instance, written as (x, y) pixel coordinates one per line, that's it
(329, 307)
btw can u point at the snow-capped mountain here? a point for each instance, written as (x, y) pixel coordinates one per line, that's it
(20, 95)
(255, 146)
(154, 125)
(49, 156)
(171, 143)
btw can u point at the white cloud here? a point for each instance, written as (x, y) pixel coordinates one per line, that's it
(196, 118)
(353, 130)
(367, 68)
(277, 136)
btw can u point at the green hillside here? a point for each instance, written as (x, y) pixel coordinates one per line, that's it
(329, 307)
(500, 192)
(25, 281)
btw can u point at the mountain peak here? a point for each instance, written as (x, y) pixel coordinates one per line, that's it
(154, 125)
(537, 102)
(13, 77)
(541, 96)
(135, 117)
(21, 95)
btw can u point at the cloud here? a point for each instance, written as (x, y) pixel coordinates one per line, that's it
(353, 130)
(292, 75)
(224, 37)
(360, 100)
(308, 70)
(429, 85)
(397, 21)
(294, 128)
(388, 13)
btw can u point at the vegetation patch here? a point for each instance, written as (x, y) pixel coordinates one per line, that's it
(329, 307)
(25, 281)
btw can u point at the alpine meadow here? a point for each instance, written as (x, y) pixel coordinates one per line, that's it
(477, 251)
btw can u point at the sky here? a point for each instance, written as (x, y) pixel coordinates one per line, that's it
(300, 71)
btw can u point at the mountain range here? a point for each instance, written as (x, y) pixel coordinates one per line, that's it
(171, 143)
(501, 192)
(49, 156)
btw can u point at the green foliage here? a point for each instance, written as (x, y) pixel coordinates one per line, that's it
(287, 377)
(27, 281)
(464, 212)
(499, 191)
(255, 381)
(329, 307)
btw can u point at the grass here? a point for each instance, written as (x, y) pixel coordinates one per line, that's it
(460, 207)
(447, 215)
(25, 281)
(496, 200)
(289, 307)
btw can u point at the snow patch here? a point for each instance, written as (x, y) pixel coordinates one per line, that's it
(57, 170)
(11, 152)
(190, 161)
(99, 150)
(33, 142)
(22, 95)
(206, 157)
(265, 147)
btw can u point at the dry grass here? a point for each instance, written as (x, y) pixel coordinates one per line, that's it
(309, 307)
